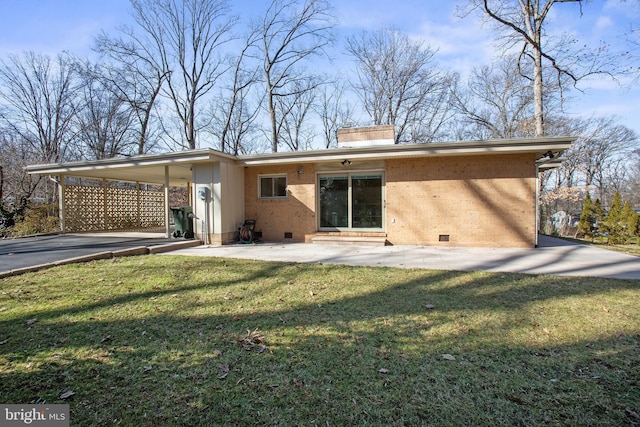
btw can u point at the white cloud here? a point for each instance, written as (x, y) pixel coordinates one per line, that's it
(604, 22)
(461, 44)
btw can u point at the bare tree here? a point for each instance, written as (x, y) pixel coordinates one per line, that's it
(293, 115)
(180, 41)
(39, 96)
(632, 35)
(603, 148)
(332, 111)
(633, 181)
(136, 79)
(569, 174)
(398, 82)
(235, 113)
(104, 120)
(291, 33)
(16, 186)
(522, 24)
(599, 161)
(497, 100)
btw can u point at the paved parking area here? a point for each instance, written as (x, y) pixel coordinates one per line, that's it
(16, 254)
(552, 256)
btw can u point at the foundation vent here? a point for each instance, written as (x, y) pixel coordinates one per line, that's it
(443, 238)
(288, 235)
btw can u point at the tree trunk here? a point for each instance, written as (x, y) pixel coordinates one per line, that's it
(538, 90)
(272, 116)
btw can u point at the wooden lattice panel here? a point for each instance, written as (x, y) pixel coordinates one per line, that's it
(125, 208)
(152, 209)
(84, 208)
(122, 209)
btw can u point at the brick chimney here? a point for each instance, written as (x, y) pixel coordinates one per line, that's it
(366, 136)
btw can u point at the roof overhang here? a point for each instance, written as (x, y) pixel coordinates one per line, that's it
(544, 149)
(148, 169)
(151, 168)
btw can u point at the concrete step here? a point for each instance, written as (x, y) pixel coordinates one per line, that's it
(350, 240)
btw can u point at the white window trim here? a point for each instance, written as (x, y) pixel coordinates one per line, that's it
(350, 174)
(274, 175)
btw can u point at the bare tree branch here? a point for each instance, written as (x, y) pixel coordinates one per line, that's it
(291, 34)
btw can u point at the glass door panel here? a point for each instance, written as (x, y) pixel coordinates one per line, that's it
(366, 201)
(334, 201)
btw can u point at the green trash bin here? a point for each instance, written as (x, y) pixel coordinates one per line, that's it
(183, 222)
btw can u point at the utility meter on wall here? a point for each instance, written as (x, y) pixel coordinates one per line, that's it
(202, 193)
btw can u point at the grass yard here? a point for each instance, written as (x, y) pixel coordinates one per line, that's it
(630, 248)
(170, 340)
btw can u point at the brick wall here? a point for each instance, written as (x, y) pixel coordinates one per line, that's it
(475, 200)
(295, 214)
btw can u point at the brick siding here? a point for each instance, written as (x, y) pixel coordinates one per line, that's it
(484, 200)
(295, 214)
(475, 200)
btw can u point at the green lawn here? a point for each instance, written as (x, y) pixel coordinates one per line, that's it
(169, 340)
(631, 248)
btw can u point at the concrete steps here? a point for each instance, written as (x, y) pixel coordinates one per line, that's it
(361, 239)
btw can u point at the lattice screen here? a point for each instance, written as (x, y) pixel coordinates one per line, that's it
(125, 208)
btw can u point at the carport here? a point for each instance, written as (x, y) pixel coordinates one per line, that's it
(105, 206)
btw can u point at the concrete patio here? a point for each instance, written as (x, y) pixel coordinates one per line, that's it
(552, 256)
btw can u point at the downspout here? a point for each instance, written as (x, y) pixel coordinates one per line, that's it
(138, 208)
(61, 202)
(105, 208)
(537, 230)
(167, 229)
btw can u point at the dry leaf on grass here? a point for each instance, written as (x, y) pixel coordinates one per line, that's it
(448, 356)
(252, 340)
(224, 371)
(383, 371)
(32, 321)
(67, 394)
(515, 399)
(632, 414)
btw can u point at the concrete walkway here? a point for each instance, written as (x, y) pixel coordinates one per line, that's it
(552, 256)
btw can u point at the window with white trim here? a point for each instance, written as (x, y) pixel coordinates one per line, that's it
(352, 200)
(272, 187)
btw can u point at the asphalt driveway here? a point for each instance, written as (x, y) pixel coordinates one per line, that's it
(27, 252)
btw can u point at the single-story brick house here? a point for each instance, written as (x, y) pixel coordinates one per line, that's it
(472, 193)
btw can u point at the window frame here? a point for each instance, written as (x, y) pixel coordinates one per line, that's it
(274, 187)
(350, 209)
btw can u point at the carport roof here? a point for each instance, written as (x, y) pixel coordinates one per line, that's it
(148, 168)
(151, 168)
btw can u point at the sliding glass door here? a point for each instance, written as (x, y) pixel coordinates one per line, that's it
(351, 201)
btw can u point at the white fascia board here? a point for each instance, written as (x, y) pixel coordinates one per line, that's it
(165, 159)
(531, 145)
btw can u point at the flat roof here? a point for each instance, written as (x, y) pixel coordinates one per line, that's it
(151, 168)
(538, 146)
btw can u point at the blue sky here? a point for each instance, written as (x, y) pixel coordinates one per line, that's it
(51, 26)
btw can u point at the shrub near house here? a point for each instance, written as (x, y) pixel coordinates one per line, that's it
(619, 225)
